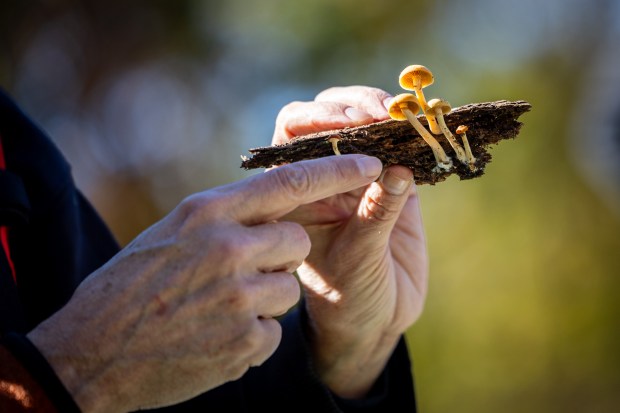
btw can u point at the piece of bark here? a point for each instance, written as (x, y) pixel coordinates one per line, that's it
(396, 142)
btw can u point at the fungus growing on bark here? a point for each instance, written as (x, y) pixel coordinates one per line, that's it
(416, 78)
(462, 132)
(405, 106)
(440, 107)
(334, 139)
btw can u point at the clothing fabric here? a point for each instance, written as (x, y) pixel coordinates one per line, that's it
(56, 239)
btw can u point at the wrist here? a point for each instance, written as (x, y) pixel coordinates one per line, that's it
(36, 375)
(349, 366)
(81, 373)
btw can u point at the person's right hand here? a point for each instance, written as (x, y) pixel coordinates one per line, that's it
(189, 304)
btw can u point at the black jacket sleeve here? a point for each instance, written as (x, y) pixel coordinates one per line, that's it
(61, 240)
(39, 386)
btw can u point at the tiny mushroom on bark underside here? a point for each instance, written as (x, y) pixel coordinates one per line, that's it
(462, 132)
(405, 106)
(440, 107)
(415, 78)
(334, 139)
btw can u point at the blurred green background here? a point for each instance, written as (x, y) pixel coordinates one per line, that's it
(153, 100)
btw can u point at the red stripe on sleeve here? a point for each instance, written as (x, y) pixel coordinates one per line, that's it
(4, 231)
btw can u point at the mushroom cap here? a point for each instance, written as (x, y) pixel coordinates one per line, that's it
(413, 71)
(404, 100)
(441, 104)
(462, 129)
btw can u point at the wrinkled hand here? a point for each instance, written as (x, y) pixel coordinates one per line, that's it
(366, 275)
(189, 304)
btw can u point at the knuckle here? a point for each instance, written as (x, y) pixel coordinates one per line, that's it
(237, 370)
(283, 124)
(293, 292)
(325, 94)
(230, 246)
(190, 213)
(248, 338)
(285, 113)
(290, 107)
(200, 208)
(190, 205)
(261, 340)
(380, 210)
(238, 299)
(295, 179)
(376, 93)
(297, 235)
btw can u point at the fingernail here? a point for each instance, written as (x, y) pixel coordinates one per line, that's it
(357, 115)
(370, 166)
(394, 184)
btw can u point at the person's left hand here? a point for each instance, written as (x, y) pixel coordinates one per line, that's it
(365, 279)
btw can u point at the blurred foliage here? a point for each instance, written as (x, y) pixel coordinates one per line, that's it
(153, 100)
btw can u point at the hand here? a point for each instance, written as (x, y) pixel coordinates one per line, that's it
(366, 275)
(189, 304)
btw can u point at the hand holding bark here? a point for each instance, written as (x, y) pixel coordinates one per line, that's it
(366, 275)
(189, 304)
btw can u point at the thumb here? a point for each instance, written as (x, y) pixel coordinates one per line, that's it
(380, 207)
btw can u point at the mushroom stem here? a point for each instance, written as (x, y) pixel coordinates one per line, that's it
(460, 153)
(443, 161)
(334, 139)
(430, 117)
(461, 131)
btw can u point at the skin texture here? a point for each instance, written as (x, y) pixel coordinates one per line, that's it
(366, 276)
(189, 304)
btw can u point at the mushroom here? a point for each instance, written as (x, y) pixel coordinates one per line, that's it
(462, 132)
(405, 106)
(334, 139)
(415, 78)
(440, 107)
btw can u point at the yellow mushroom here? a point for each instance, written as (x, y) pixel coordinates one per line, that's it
(405, 106)
(440, 107)
(462, 132)
(416, 78)
(334, 139)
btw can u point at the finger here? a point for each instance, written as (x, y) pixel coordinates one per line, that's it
(283, 246)
(380, 208)
(328, 211)
(268, 196)
(268, 334)
(368, 99)
(301, 118)
(273, 293)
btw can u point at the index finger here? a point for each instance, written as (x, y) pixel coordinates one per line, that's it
(268, 196)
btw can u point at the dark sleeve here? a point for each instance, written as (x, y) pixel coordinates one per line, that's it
(27, 381)
(287, 382)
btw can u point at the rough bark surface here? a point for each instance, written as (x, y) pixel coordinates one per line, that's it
(396, 142)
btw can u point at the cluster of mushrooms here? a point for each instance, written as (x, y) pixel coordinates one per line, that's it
(406, 105)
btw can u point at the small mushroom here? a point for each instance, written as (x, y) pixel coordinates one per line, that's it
(462, 132)
(415, 78)
(440, 107)
(405, 106)
(334, 139)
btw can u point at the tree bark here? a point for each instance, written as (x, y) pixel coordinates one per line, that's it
(396, 142)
